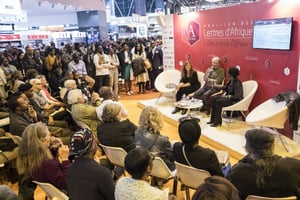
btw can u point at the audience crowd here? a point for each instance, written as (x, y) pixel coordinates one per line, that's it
(63, 102)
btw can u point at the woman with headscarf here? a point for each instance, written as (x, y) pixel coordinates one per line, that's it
(189, 152)
(233, 93)
(87, 179)
(263, 173)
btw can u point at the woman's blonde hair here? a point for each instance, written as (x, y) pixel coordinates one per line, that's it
(150, 119)
(33, 151)
(111, 112)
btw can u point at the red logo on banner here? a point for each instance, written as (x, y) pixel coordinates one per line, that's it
(191, 34)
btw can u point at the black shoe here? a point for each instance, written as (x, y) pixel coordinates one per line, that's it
(215, 124)
(207, 112)
(202, 109)
(175, 110)
(210, 122)
(183, 111)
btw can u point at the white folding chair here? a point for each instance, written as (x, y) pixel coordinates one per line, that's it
(161, 170)
(116, 155)
(51, 191)
(254, 197)
(191, 177)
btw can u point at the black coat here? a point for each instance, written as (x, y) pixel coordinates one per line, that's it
(285, 180)
(157, 144)
(199, 157)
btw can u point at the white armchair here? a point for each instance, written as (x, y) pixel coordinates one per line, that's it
(249, 89)
(270, 114)
(166, 83)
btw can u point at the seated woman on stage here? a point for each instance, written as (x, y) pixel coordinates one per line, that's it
(188, 83)
(233, 93)
(263, 173)
(188, 152)
(148, 136)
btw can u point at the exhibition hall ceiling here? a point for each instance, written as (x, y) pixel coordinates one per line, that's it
(52, 7)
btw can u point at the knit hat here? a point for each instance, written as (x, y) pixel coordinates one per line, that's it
(24, 87)
(259, 139)
(189, 131)
(82, 142)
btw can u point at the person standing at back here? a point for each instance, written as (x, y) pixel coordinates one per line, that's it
(125, 63)
(101, 62)
(157, 61)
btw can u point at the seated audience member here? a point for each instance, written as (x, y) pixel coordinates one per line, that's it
(138, 163)
(58, 128)
(108, 97)
(46, 94)
(188, 83)
(19, 80)
(21, 114)
(233, 93)
(78, 66)
(96, 182)
(35, 157)
(263, 173)
(83, 112)
(52, 109)
(7, 194)
(213, 75)
(69, 85)
(116, 131)
(188, 152)
(148, 136)
(30, 74)
(216, 188)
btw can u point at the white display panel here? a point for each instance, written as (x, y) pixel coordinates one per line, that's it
(273, 33)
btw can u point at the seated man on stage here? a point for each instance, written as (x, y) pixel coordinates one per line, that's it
(213, 75)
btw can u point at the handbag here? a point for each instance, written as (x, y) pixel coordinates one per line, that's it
(185, 157)
(148, 64)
